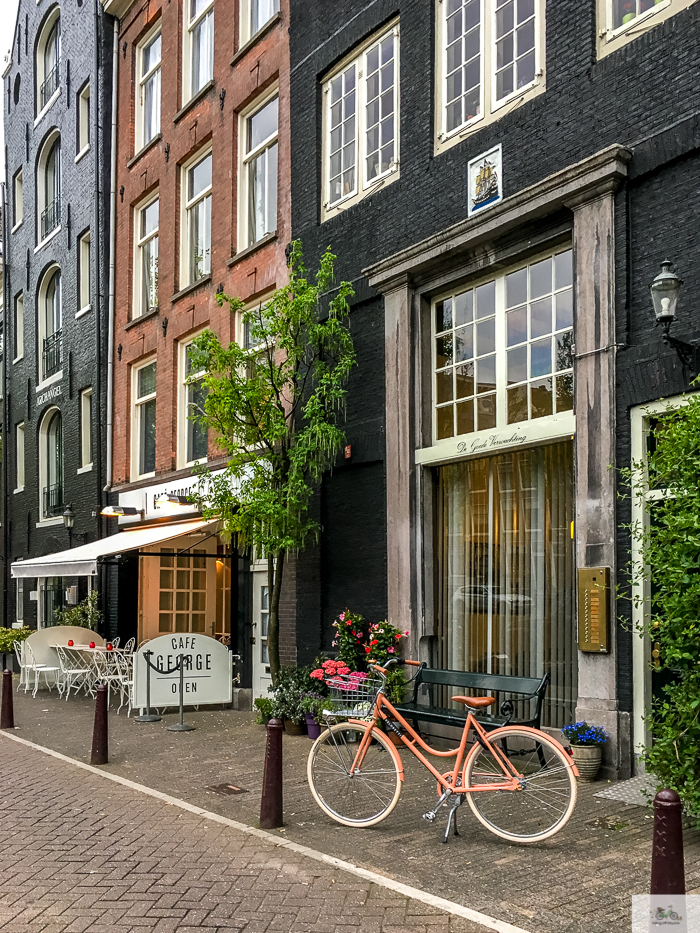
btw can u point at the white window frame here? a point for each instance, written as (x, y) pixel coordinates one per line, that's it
(17, 199)
(184, 382)
(41, 187)
(39, 64)
(246, 26)
(189, 26)
(19, 600)
(140, 242)
(363, 185)
(491, 109)
(186, 204)
(44, 466)
(245, 159)
(83, 134)
(85, 430)
(84, 274)
(142, 79)
(18, 329)
(611, 39)
(137, 403)
(41, 325)
(19, 457)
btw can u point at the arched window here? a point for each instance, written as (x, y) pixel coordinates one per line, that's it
(51, 464)
(48, 59)
(50, 323)
(49, 186)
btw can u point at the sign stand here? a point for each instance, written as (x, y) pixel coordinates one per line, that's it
(148, 716)
(181, 726)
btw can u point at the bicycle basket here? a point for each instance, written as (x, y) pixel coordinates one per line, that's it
(352, 696)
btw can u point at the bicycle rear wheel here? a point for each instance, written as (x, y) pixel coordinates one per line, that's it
(545, 798)
(364, 798)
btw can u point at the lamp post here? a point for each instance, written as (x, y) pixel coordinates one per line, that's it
(665, 290)
(68, 522)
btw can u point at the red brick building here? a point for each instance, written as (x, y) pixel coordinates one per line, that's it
(202, 206)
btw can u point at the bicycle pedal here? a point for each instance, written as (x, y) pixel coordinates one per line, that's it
(430, 816)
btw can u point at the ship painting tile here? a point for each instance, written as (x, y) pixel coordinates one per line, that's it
(485, 181)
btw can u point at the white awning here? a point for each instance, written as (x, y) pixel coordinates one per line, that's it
(82, 561)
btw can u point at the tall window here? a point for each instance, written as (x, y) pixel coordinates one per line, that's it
(48, 62)
(146, 265)
(199, 39)
(49, 187)
(83, 134)
(193, 436)
(489, 53)
(51, 324)
(84, 271)
(361, 122)
(19, 456)
(148, 90)
(18, 329)
(198, 219)
(254, 15)
(19, 600)
(86, 428)
(260, 171)
(183, 591)
(503, 350)
(144, 421)
(52, 467)
(18, 199)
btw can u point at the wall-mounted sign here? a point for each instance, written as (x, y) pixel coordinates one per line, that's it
(485, 181)
(593, 609)
(53, 392)
(208, 674)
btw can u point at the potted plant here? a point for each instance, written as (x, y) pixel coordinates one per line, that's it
(292, 684)
(586, 746)
(263, 705)
(313, 705)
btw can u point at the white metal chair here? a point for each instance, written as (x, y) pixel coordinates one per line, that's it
(130, 645)
(107, 670)
(19, 654)
(126, 681)
(73, 670)
(115, 641)
(39, 669)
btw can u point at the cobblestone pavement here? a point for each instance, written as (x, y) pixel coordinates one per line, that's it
(581, 881)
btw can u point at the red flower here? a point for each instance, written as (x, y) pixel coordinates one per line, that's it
(367, 650)
(374, 642)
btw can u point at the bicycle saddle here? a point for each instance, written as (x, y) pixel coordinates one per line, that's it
(475, 702)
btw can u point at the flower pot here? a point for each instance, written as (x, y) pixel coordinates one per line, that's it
(587, 760)
(312, 727)
(293, 728)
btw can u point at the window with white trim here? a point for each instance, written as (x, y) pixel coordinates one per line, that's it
(84, 270)
(146, 259)
(50, 321)
(19, 599)
(259, 177)
(503, 350)
(254, 15)
(361, 124)
(48, 60)
(148, 89)
(19, 456)
(621, 21)
(197, 227)
(199, 47)
(143, 426)
(192, 434)
(18, 329)
(48, 200)
(490, 52)
(83, 108)
(86, 428)
(17, 199)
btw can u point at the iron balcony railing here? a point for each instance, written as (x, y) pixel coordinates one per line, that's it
(53, 500)
(52, 353)
(49, 85)
(50, 217)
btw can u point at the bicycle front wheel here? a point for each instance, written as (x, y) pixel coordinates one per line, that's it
(545, 797)
(365, 797)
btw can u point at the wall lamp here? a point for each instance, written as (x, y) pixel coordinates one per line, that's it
(665, 290)
(116, 511)
(69, 522)
(165, 498)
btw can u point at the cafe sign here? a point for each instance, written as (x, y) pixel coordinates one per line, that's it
(207, 671)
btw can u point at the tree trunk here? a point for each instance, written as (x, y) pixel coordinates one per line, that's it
(275, 570)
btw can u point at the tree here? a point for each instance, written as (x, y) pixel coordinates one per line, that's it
(274, 405)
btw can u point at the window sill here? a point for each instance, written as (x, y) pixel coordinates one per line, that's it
(54, 233)
(19, 489)
(48, 522)
(237, 257)
(201, 93)
(142, 317)
(205, 280)
(143, 476)
(85, 469)
(47, 106)
(83, 312)
(17, 226)
(18, 359)
(83, 152)
(263, 31)
(350, 200)
(144, 149)
(49, 382)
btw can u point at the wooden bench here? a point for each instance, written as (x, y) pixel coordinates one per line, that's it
(527, 688)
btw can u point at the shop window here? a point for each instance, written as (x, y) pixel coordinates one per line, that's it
(361, 126)
(258, 199)
(197, 225)
(148, 89)
(503, 350)
(48, 60)
(199, 46)
(146, 264)
(51, 465)
(192, 434)
(84, 271)
(182, 601)
(143, 430)
(50, 315)
(17, 199)
(86, 429)
(83, 113)
(49, 187)
(19, 457)
(18, 329)
(254, 15)
(19, 600)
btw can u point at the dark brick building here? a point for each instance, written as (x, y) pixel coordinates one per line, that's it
(500, 182)
(57, 101)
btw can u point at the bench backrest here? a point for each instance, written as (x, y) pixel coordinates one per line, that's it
(527, 686)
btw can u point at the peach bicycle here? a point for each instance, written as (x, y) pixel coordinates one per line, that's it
(519, 782)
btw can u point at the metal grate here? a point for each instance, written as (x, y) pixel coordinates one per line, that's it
(52, 353)
(53, 500)
(49, 86)
(50, 217)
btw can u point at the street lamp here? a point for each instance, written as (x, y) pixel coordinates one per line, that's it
(68, 522)
(665, 290)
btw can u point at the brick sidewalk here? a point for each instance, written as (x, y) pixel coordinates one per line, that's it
(580, 881)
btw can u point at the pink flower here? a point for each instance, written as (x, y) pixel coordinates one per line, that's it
(342, 617)
(335, 643)
(406, 633)
(343, 670)
(317, 674)
(391, 649)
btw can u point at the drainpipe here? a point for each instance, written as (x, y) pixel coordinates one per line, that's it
(98, 267)
(5, 431)
(112, 247)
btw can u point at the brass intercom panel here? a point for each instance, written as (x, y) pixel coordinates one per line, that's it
(593, 609)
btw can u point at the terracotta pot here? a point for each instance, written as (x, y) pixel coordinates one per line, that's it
(587, 760)
(293, 728)
(312, 727)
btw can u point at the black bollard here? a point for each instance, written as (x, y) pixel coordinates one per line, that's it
(7, 717)
(667, 869)
(271, 801)
(99, 733)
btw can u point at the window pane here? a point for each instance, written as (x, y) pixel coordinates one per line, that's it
(565, 309)
(271, 220)
(147, 438)
(199, 177)
(516, 288)
(465, 417)
(464, 343)
(540, 278)
(486, 374)
(202, 52)
(516, 326)
(149, 275)
(563, 270)
(147, 380)
(541, 358)
(464, 309)
(263, 124)
(541, 317)
(517, 404)
(260, 12)
(196, 432)
(151, 54)
(151, 107)
(256, 198)
(443, 386)
(445, 426)
(517, 365)
(565, 392)
(149, 218)
(443, 315)
(486, 412)
(485, 337)
(200, 239)
(486, 299)
(464, 380)
(541, 398)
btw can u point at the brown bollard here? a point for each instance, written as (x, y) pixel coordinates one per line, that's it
(99, 732)
(7, 717)
(271, 801)
(667, 869)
